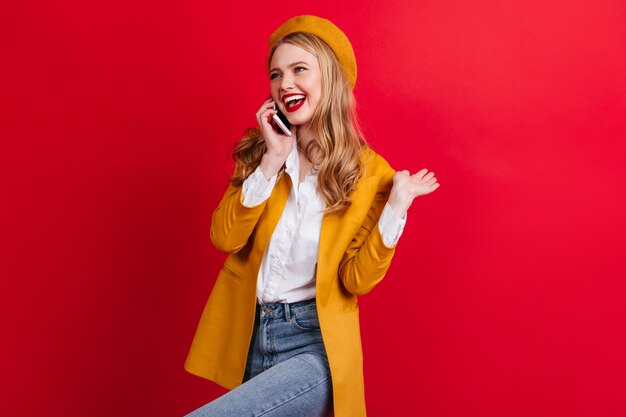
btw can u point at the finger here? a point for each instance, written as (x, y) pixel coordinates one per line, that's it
(268, 112)
(420, 173)
(267, 105)
(428, 176)
(423, 180)
(264, 116)
(269, 121)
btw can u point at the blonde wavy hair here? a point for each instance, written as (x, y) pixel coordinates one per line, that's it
(337, 137)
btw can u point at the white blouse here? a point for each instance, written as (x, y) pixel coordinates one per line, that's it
(288, 269)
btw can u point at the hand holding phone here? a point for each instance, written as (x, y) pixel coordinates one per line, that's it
(281, 121)
(278, 143)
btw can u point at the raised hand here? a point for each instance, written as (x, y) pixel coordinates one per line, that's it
(406, 187)
(278, 146)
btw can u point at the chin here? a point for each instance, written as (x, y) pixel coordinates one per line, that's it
(299, 121)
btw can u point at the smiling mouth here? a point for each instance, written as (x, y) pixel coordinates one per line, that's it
(294, 102)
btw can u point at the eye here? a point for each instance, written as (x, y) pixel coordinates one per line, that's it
(273, 75)
(299, 69)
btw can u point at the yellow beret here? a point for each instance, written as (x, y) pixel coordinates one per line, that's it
(326, 31)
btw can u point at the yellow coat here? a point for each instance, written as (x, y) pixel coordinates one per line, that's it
(352, 260)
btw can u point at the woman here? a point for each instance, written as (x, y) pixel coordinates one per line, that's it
(310, 221)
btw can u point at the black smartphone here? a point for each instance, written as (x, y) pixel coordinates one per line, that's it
(282, 122)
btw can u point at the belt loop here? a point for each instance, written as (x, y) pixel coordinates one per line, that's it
(287, 312)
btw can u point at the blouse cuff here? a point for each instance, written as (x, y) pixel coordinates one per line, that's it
(391, 226)
(256, 188)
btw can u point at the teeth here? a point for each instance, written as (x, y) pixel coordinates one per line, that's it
(292, 98)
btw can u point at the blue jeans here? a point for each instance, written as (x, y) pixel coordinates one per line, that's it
(287, 370)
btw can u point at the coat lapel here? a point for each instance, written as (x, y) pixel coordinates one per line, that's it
(269, 219)
(337, 228)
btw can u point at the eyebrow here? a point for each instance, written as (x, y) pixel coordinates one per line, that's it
(291, 65)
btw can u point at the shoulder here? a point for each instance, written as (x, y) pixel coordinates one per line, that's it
(376, 169)
(374, 164)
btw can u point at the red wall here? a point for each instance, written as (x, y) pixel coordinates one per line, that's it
(507, 293)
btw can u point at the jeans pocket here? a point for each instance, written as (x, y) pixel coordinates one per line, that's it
(306, 321)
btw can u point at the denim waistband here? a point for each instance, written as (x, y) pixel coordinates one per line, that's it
(284, 310)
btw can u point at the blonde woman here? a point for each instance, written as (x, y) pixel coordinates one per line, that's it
(311, 221)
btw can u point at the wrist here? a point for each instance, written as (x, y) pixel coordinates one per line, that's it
(398, 205)
(270, 165)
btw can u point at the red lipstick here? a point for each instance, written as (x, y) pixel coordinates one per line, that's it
(297, 106)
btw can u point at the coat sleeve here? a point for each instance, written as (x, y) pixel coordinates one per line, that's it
(232, 223)
(367, 259)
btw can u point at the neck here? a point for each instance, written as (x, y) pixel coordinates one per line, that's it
(304, 135)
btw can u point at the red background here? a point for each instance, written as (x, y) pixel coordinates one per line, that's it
(506, 296)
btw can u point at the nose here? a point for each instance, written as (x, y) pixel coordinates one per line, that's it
(286, 83)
